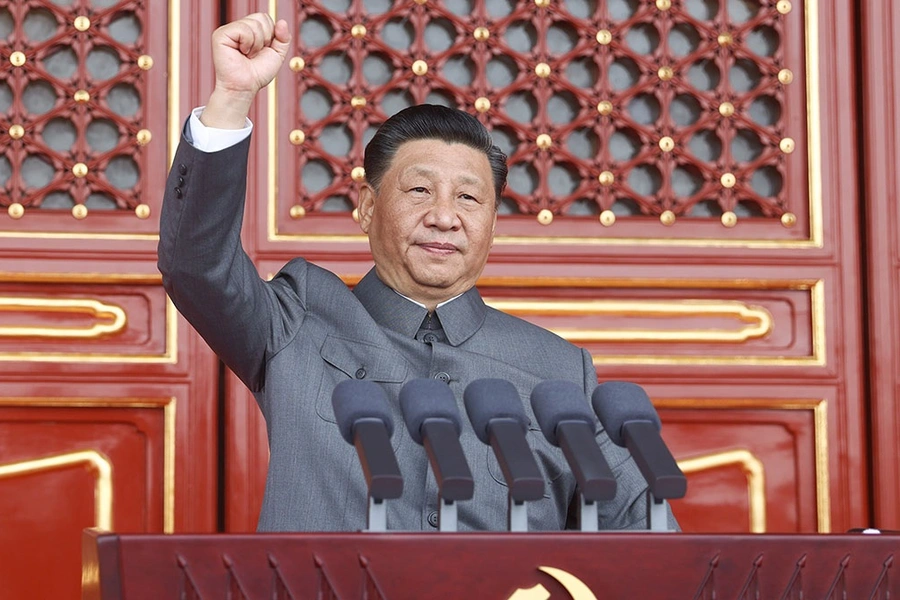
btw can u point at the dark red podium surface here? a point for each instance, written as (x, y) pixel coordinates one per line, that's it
(489, 566)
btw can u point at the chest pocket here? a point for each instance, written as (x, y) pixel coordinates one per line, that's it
(352, 359)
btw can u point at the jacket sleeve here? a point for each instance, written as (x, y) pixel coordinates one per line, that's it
(205, 270)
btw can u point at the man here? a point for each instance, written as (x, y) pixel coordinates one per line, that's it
(429, 207)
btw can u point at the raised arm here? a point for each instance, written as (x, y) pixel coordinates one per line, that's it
(205, 270)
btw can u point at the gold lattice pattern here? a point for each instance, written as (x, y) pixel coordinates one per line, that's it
(72, 103)
(615, 108)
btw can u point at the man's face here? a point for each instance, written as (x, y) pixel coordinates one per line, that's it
(431, 223)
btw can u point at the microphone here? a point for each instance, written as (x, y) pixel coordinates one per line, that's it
(496, 413)
(566, 420)
(630, 420)
(363, 416)
(432, 418)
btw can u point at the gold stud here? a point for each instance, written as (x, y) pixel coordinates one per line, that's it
(17, 58)
(79, 170)
(786, 145)
(358, 31)
(604, 37)
(607, 218)
(81, 96)
(143, 137)
(728, 180)
(783, 6)
(544, 141)
(666, 73)
(297, 64)
(542, 70)
(788, 219)
(355, 215)
(357, 102)
(420, 67)
(725, 39)
(667, 218)
(82, 23)
(358, 174)
(729, 219)
(16, 210)
(545, 217)
(482, 104)
(604, 107)
(663, 4)
(79, 211)
(542, 3)
(16, 132)
(606, 178)
(726, 109)
(145, 62)
(297, 212)
(785, 76)
(142, 211)
(481, 34)
(666, 144)
(297, 137)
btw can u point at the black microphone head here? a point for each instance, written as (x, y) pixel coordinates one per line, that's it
(422, 399)
(489, 399)
(355, 399)
(617, 403)
(555, 401)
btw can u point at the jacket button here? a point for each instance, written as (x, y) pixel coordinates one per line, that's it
(181, 181)
(443, 377)
(178, 192)
(433, 519)
(430, 338)
(182, 168)
(360, 373)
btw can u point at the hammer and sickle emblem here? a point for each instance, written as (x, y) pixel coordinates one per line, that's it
(576, 588)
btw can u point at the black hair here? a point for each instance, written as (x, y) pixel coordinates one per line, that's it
(426, 122)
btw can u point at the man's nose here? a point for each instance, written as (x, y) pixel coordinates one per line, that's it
(443, 213)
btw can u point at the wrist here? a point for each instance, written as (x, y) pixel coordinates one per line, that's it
(227, 109)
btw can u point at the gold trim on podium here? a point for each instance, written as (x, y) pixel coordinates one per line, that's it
(169, 355)
(814, 193)
(753, 470)
(168, 405)
(819, 409)
(99, 465)
(114, 316)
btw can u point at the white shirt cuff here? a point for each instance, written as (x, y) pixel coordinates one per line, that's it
(211, 139)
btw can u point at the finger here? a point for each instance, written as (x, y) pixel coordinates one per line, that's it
(281, 42)
(264, 27)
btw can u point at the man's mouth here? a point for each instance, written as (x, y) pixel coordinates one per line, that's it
(439, 247)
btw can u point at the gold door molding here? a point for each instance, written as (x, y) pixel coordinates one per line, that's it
(819, 409)
(168, 405)
(97, 463)
(98, 308)
(754, 471)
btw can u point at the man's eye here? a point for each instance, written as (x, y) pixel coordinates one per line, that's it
(419, 189)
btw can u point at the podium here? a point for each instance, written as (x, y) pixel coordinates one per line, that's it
(488, 566)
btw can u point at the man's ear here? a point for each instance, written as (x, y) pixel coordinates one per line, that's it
(366, 206)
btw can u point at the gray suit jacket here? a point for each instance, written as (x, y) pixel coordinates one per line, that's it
(291, 340)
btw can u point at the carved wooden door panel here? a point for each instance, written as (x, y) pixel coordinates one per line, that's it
(680, 203)
(107, 399)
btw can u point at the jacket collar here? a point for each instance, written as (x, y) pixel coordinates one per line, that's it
(460, 318)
